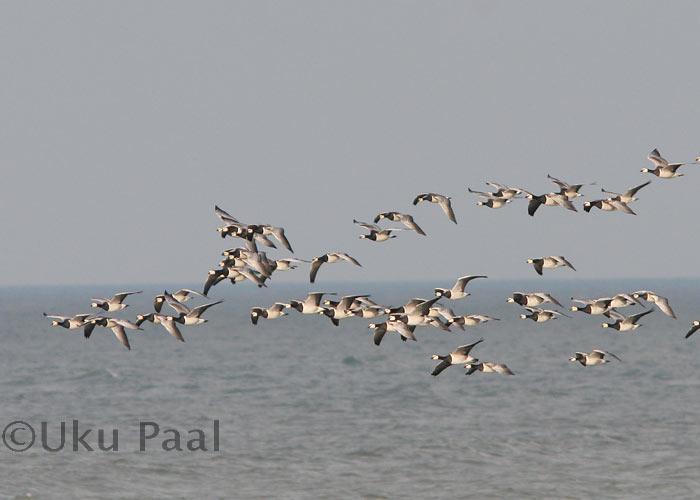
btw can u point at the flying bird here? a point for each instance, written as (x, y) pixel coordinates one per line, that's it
(376, 233)
(488, 367)
(550, 262)
(457, 291)
(113, 304)
(597, 357)
(663, 169)
(329, 258)
(443, 201)
(457, 357)
(405, 219)
(661, 302)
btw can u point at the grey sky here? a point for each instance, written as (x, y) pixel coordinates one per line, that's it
(123, 123)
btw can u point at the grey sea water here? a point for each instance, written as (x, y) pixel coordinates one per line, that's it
(308, 410)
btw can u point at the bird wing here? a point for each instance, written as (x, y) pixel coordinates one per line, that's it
(500, 368)
(632, 191)
(656, 158)
(197, 311)
(315, 266)
(62, 318)
(663, 304)
(621, 206)
(440, 367)
(404, 330)
(348, 258)
(446, 206)
(692, 330)
(532, 206)
(462, 282)
(537, 264)
(563, 201)
(565, 262)
(465, 349)
(121, 335)
(366, 225)
(549, 298)
(278, 232)
(410, 223)
(224, 216)
(179, 307)
(635, 317)
(119, 297)
(171, 327)
(598, 353)
(562, 185)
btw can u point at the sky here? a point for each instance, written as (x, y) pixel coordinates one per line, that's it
(122, 124)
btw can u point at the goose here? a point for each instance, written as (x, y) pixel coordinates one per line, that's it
(380, 329)
(549, 200)
(488, 367)
(113, 304)
(628, 196)
(661, 302)
(443, 201)
(457, 357)
(570, 191)
(376, 233)
(182, 295)
(609, 205)
(341, 309)
(550, 262)
(624, 300)
(532, 299)
(693, 329)
(369, 312)
(471, 320)
(625, 323)
(405, 219)
(329, 258)
(216, 276)
(69, 322)
(503, 191)
(274, 312)
(311, 304)
(664, 169)
(597, 357)
(492, 200)
(457, 291)
(539, 315)
(186, 316)
(117, 326)
(593, 307)
(413, 306)
(167, 322)
(421, 320)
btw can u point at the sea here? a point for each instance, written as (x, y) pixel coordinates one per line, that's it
(297, 408)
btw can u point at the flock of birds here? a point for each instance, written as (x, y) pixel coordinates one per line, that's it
(247, 263)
